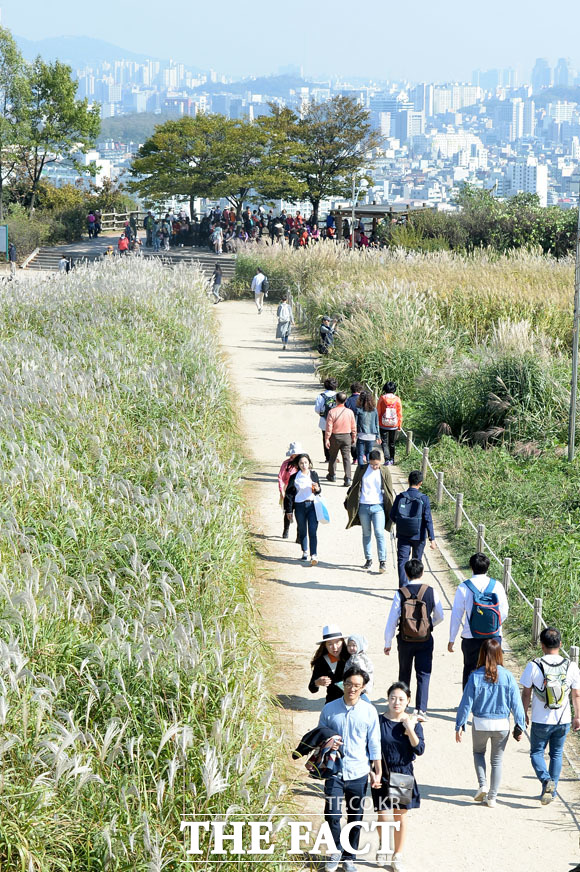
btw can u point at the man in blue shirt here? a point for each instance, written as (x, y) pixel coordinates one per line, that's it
(357, 724)
(411, 513)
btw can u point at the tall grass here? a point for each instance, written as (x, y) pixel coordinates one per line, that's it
(131, 673)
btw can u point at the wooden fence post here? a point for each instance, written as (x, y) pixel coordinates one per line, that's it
(537, 622)
(574, 653)
(424, 463)
(480, 537)
(458, 510)
(507, 570)
(409, 441)
(439, 488)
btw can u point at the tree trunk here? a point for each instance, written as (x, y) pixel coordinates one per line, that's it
(315, 208)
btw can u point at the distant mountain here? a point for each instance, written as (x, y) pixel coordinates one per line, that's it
(80, 51)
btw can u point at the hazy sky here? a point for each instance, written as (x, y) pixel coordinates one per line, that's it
(417, 39)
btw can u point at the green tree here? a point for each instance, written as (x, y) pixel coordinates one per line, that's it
(335, 141)
(12, 92)
(57, 124)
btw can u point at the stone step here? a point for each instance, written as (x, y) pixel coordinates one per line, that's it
(49, 256)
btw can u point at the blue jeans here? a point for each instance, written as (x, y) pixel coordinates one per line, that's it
(363, 449)
(552, 736)
(404, 549)
(354, 793)
(373, 515)
(307, 525)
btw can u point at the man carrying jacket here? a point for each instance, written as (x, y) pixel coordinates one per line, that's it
(411, 513)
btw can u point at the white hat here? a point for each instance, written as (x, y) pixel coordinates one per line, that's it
(330, 632)
(294, 448)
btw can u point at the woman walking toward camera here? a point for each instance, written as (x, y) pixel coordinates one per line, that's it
(402, 740)
(368, 502)
(288, 468)
(302, 487)
(328, 663)
(491, 693)
(285, 321)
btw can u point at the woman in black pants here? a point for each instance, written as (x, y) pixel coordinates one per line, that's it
(299, 498)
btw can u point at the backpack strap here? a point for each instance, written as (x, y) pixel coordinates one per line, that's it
(471, 587)
(421, 592)
(405, 593)
(490, 586)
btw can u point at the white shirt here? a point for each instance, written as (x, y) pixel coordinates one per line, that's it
(257, 283)
(303, 488)
(532, 677)
(372, 487)
(395, 614)
(463, 604)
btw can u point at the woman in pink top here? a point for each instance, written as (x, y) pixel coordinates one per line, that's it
(288, 468)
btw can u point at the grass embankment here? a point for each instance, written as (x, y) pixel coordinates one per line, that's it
(131, 673)
(477, 346)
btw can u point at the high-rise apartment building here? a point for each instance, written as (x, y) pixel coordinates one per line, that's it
(529, 118)
(422, 98)
(509, 119)
(541, 75)
(527, 176)
(563, 74)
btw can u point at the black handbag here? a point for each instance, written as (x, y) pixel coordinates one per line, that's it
(401, 788)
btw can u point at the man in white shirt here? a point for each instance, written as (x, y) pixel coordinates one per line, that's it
(258, 289)
(421, 652)
(546, 681)
(462, 609)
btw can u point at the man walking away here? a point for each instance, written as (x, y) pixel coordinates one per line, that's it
(548, 681)
(259, 289)
(415, 610)
(481, 603)
(356, 724)
(355, 389)
(390, 413)
(411, 513)
(12, 259)
(340, 435)
(324, 403)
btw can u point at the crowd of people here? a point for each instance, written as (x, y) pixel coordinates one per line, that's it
(353, 744)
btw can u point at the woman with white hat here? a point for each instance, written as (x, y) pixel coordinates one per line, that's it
(288, 468)
(328, 663)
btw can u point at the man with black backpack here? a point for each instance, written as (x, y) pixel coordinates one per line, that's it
(548, 681)
(324, 403)
(481, 604)
(411, 514)
(415, 610)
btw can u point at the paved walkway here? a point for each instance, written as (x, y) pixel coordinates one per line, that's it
(276, 393)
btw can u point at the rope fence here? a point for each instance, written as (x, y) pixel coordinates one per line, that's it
(479, 529)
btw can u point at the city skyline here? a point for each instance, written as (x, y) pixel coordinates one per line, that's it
(435, 46)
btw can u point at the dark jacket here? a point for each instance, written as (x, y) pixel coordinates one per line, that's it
(291, 490)
(321, 669)
(313, 739)
(352, 501)
(426, 521)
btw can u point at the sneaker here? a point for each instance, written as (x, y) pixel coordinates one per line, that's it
(285, 534)
(348, 866)
(313, 560)
(330, 477)
(305, 555)
(548, 792)
(480, 794)
(383, 860)
(368, 564)
(490, 802)
(347, 482)
(382, 566)
(421, 716)
(397, 863)
(332, 863)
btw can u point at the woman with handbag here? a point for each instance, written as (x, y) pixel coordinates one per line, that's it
(302, 487)
(288, 468)
(402, 740)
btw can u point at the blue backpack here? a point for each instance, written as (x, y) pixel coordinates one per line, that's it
(485, 619)
(409, 516)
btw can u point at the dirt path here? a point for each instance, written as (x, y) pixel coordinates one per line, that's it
(277, 392)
